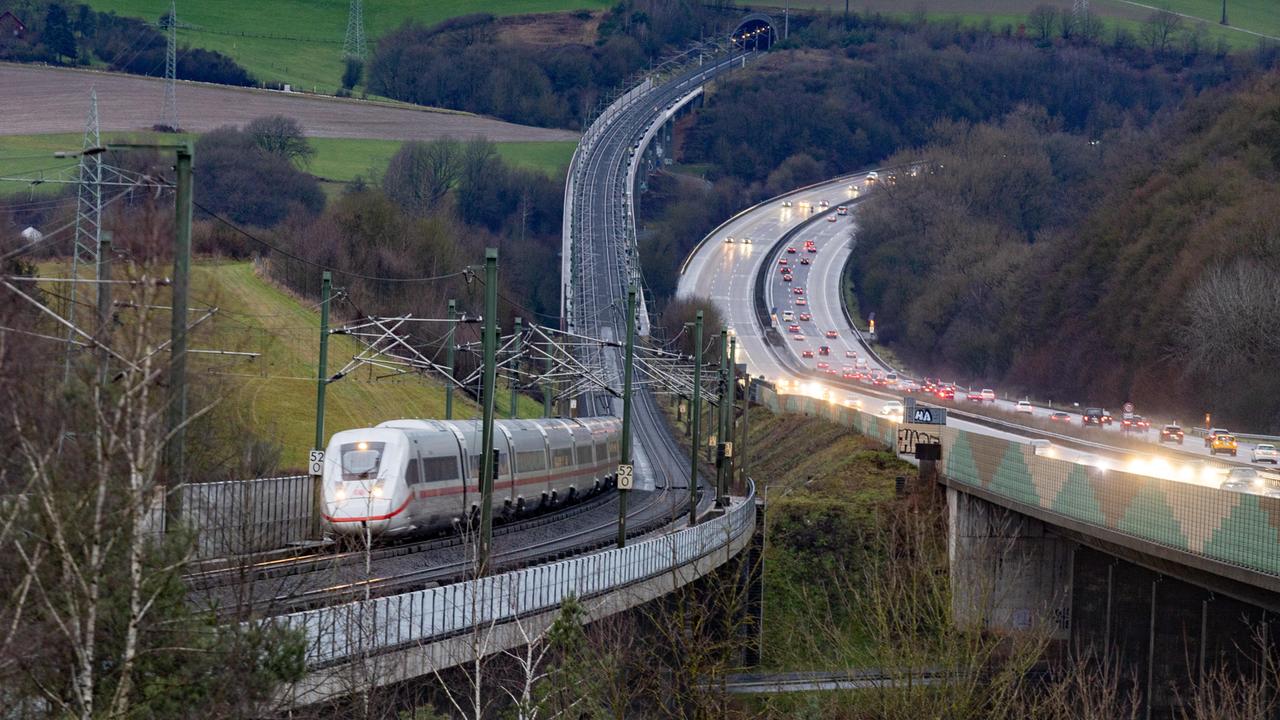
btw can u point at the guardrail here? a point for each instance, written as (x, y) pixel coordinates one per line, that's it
(354, 630)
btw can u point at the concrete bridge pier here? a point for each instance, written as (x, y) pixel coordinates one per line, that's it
(1008, 571)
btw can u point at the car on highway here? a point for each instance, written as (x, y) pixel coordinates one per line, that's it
(872, 177)
(851, 353)
(946, 392)
(824, 203)
(802, 302)
(799, 338)
(831, 218)
(1243, 480)
(788, 316)
(823, 364)
(1135, 423)
(1060, 417)
(1171, 433)
(793, 328)
(791, 251)
(908, 386)
(848, 373)
(806, 354)
(974, 396)
(1095, 416)
(782, 261)
(811, 249)
(833, 334)
(786, 277)
(784, 269)
(1223, 443)
(842, 210)
(1265, 452)
(861, 363)
(797, 291)
(805, 261)
(1024, 406)
(1214, 432)
(745, 240)
(824, 350)
(805, 317)
(988, 395)
(728, 240)
(891, 408)
(786, 203)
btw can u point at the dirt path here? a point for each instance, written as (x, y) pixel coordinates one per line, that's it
(37, 99)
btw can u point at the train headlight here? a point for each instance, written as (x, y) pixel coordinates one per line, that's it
(377, 490)
(340, 494)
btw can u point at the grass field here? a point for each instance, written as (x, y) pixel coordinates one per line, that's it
(337, 159)
(273, 395)
(1255, 16)
(306, 49)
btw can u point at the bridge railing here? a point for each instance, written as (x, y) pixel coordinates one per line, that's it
(1178, 512)
(353, 630)
(238, 517)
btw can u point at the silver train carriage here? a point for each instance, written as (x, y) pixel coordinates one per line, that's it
(409, 476)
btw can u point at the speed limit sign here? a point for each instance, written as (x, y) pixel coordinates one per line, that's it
(316, 462)
(625, 477)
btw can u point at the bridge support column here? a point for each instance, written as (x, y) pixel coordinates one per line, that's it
(1008, 573)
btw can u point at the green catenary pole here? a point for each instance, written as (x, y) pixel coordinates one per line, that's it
(746, 434)
(489, 467)
(626, 410)
(448, 359)
(515, 369)
(731, 464)
(697, 420)
(723, 431)
(177, 419)
(322, 383)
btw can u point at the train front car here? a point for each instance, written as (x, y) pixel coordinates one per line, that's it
(363, 483)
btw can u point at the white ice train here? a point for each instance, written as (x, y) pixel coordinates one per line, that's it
(409, 476)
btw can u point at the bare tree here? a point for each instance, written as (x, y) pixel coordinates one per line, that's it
(1160, 29)
(1043, 19)
(420, 173)
(283, 136)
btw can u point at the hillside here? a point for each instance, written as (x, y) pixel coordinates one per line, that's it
(1139, 267)
(301, 41)
(273, 396)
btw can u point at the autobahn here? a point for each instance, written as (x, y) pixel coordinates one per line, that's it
(727, 274)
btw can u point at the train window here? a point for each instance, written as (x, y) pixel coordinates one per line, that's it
(502, 465)
(360, 461)
(561, 457)
(531, 461)
(411, 476)
(614, 450)
(602, 451)
(440, 469)
(584, 454)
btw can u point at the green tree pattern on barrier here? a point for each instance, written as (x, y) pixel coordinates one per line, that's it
(1148, 516)
(1077, 499)
(1013, 479)
(1240, 536)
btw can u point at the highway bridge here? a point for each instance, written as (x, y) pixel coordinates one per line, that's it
(1108, 540)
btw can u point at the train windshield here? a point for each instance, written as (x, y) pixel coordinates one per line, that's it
(361, 460)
